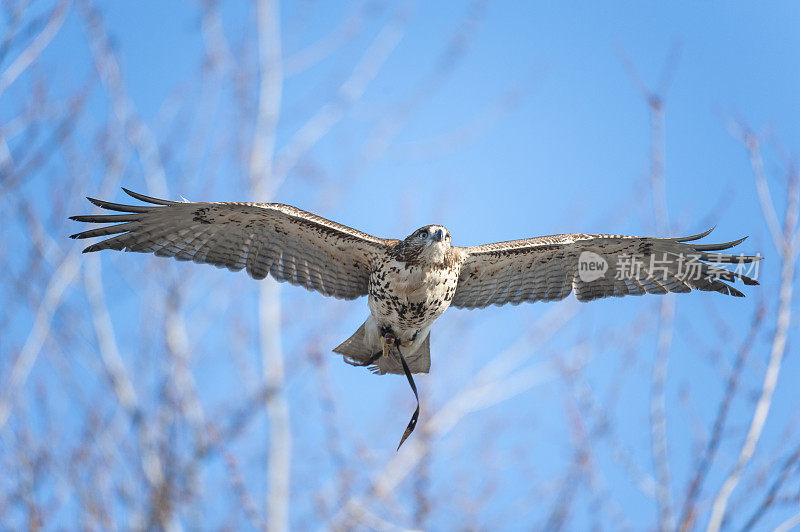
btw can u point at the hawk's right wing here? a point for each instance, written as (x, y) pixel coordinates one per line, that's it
(263, 238)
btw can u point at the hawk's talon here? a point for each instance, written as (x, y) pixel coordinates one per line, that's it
(371, 360)
(389, 340)
(385, 346)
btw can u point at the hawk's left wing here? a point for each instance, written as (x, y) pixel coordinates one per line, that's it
(548, 268)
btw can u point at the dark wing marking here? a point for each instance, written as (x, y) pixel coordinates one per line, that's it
(547, 268)
(263, 238)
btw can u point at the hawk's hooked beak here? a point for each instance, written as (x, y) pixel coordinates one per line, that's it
(438, 235)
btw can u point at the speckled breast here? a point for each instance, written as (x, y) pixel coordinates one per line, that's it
(409, 298)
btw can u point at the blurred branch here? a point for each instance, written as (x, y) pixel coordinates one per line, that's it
(136, 424)
(500, 379)
(246, 503)
(177, 340)
(107, 344)
(658, 413)
(689, 514)
(326, 46)
(787, 253)
(54, 292)
(744, 134)
(772, 493)
(790, 524)
(655, 100)
(601, 423)
(333, 435)
(117, 373)
(347, 94)
(138, 134)
(36, 47)
(280, 436)
(270, 80)
(465, 133)
(32, 160)
(391, 121)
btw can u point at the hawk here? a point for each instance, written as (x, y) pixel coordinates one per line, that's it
(411, 282)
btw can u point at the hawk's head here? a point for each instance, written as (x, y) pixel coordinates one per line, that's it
(429, 244)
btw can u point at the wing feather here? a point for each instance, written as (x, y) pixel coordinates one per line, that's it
(263, 238)
(547, 268)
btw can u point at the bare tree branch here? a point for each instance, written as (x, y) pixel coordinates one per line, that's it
(778, 349)
(59, 282)
(35, 48)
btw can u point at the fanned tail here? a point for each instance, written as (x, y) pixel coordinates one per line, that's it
(360, 350)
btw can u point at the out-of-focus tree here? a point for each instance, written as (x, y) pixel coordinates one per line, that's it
(140, 393)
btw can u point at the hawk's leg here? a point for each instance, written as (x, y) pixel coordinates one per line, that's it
(389, 340)
(408, 343)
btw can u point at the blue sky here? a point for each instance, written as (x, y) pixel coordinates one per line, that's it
(572, 154)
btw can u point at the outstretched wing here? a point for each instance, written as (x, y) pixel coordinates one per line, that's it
(264, 238)
(548, 268)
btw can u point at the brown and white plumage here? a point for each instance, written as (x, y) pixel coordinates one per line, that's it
(264, 238)
(410, 282)
(546, 269)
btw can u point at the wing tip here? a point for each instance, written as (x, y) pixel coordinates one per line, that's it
(104, 244)
(698, 236)
(719, 247)
(147, 199)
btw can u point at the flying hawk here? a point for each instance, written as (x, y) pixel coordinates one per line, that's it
(411, 282)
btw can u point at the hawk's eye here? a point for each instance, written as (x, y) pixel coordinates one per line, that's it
(423, 234)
